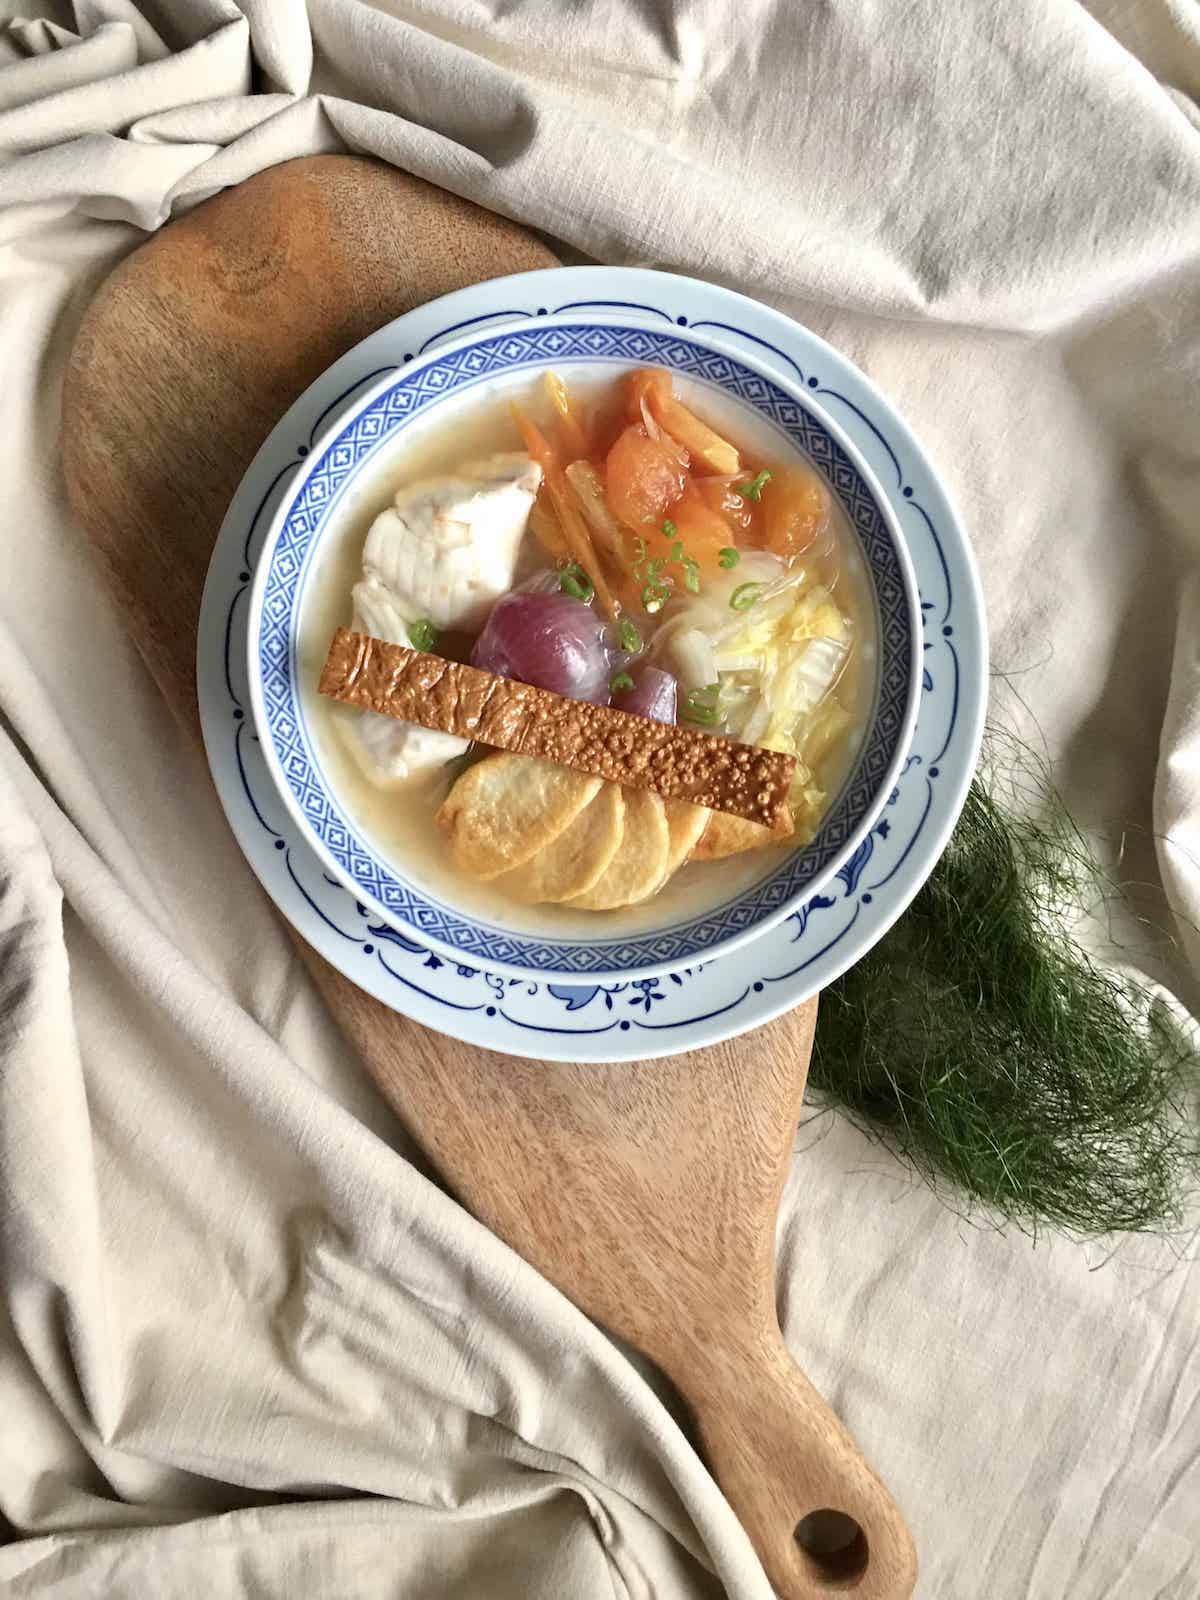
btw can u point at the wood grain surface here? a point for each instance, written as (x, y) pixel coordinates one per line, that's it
(646, 1191)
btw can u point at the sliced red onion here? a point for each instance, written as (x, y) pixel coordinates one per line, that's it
(550, 640)
(653, 695)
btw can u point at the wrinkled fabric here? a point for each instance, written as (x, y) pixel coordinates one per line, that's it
(247, 1347)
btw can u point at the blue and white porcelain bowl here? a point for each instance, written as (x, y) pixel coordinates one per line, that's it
(429, 392)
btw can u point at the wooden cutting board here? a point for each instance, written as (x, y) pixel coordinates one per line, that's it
(647, 1191)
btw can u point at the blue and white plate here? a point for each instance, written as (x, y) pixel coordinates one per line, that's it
(455, 990)
(645, 941)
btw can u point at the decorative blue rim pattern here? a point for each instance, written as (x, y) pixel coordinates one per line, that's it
(305, 514)
(600, 1021)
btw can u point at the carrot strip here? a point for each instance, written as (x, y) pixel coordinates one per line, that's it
(572, 524)
(579, 543)
(574, 529)
(573, 435)
(608, 536)
(589, 492)
(640, 386)
(686, 428)
(535, 440)
(648, 392)
(547, 531)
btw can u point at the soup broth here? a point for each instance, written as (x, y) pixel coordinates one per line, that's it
(400, 821)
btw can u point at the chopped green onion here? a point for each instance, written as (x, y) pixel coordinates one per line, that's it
(677, 550)
(728, 556)
(422, 635)
(573, 580)
(620, 682)
(703, 705)
(669, 528)
(639, 548)
(654, 597)
(656, 566)
(630, 639)
(691, 575)
(753, 490)
(744, 596)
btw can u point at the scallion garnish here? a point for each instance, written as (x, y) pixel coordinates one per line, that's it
(744, 596)
(753, 490)
(630, 639)
(655, 567)
(620, 682)
(677, 550)
(703, 705)
(669, 528)
(728, 556)
(422, 634)
(654, 597)
(573, 580)
(691, 575)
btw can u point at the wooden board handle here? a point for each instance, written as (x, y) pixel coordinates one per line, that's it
(820, 1519)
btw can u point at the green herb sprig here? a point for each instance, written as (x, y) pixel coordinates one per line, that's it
(745, 595)
(655, 589)
(982, 1043)
(628, 636)
(573, 580)
(703, 706)
(753, 490)
(422, 634)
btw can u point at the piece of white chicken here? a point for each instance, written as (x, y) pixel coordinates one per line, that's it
(389, 752)
(445, 550)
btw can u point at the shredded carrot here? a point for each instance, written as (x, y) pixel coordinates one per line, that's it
(588, 488)
(535, 440)
(547, 531)
(650, 390)
(570, 520)
(573, 435)
(607, 535)
(703, 444)
(641, 386)
(579, 543)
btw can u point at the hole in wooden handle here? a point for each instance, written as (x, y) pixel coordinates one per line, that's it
(834, 1545)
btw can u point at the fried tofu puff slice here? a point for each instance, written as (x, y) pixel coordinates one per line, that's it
(686, 825)
(577, 859)
(639, 866)
(506, 808)
(725, 835)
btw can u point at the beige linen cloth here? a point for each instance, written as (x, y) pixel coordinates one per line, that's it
(246, 1347)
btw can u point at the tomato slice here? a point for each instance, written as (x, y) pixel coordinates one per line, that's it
(643, 477)
(794, 511)
(702, 532)
(721, 495)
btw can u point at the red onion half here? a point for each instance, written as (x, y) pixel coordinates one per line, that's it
(653, 695)
(550, 640)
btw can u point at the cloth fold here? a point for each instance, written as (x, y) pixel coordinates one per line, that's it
(246, 1345)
